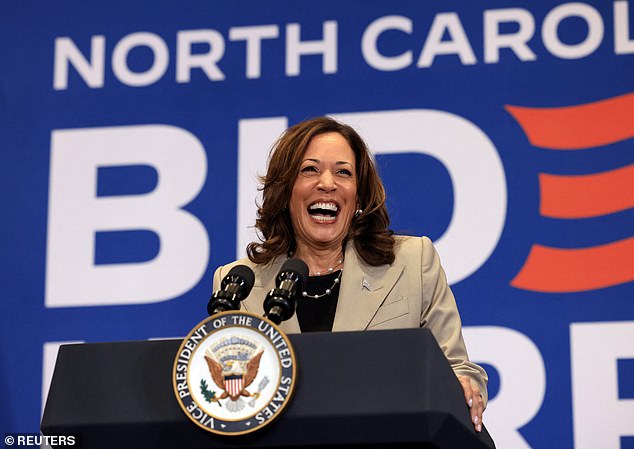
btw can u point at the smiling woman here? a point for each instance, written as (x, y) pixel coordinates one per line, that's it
(313, 165)
(324, 203)
(323, 200)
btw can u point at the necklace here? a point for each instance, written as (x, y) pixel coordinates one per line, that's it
(331, 269)
(328, 290)
(334, 284)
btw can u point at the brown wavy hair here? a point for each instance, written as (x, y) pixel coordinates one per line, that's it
(369, 231)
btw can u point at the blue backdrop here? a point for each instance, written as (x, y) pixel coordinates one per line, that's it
(131, 133)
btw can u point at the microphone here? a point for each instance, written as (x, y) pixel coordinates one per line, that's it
(281, 301)
(235, 286)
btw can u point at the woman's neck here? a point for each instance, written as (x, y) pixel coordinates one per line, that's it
(320, 261)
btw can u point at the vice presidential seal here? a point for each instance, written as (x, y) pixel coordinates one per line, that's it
(234, 373)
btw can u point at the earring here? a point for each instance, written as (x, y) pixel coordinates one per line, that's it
(357, 213)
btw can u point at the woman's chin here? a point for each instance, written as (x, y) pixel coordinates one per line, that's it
(326, 236)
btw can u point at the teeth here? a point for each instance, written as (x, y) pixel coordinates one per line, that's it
(324, 218)
(324, 206)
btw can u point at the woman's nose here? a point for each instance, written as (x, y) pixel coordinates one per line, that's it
(327, 181)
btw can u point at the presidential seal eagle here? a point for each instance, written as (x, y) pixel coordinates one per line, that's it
(233, 364)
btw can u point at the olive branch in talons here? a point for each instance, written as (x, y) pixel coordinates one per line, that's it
(210, 396)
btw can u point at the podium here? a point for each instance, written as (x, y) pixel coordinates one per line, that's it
(366, 389)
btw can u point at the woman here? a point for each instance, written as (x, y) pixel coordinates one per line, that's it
(324, 203)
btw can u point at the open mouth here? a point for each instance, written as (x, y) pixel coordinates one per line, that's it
(323, 212)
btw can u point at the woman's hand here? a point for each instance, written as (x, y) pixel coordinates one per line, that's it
(474, 400)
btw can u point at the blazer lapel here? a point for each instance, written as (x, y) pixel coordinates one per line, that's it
(291, 326)
(363, 290)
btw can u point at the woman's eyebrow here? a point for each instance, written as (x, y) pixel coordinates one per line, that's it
(319, 160)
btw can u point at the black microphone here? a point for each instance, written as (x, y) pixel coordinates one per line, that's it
(280, 302)
(235, 286)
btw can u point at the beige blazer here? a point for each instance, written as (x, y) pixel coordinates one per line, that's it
(411, 292)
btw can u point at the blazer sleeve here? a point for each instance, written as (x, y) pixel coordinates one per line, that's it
(217, 278)
(440, 315)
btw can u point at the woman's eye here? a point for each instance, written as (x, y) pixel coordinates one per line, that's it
(345, 172)
(309, 169)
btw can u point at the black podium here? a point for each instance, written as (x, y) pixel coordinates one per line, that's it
(361, 389)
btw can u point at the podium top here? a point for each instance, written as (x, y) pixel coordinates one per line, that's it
(354, 388)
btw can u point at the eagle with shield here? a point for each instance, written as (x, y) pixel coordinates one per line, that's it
(233, 364)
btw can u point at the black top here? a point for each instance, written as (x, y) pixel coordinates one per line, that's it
(318, 315)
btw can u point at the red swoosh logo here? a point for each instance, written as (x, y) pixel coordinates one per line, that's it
(556, 270)
(578, 127)
(586, 196)
(563, 270)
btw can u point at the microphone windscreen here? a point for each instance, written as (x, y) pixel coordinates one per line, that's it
(297, 266)
(246, 275)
